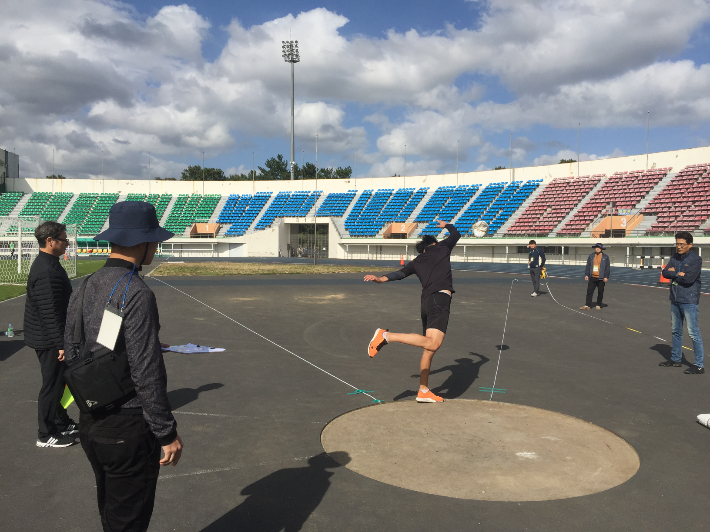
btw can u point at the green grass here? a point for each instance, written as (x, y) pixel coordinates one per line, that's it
(83, 267)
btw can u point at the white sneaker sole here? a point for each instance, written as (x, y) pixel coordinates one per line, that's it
(40, 444)
(704, 420)
(427, 400)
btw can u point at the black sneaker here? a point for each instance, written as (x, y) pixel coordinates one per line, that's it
(56, 441)
(71, 429)
(694, 370)
(671, 364)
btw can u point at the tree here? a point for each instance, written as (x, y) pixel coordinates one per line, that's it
(194, 173)
(562, 161)
(276, 169)
(165, 179)
(60, 176)
(308, 171)
(343, 173)
(499, 168)
(250, 176)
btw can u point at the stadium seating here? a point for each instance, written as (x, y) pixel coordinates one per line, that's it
(411, 204)
(96, 217)
(624, 189)
(508, 202)
(366, 223)
(308, 204)
(56, 205)
(274, 210)
(432, 207)
(161, 203)
(336, 203)
(478, 207)
(8, 200)
(684, 203)
(245, 211)
(460, 196)
(552, 205)
(135, 197)
(35, 204)
(188, 210)
(351, 219)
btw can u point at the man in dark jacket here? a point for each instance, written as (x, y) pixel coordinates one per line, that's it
(684, 272)
(123, 446)
(48, 291)
(433, 268)
(536, 260)
(597, 273)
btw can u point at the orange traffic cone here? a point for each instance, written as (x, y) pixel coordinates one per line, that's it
(401, 260)
(663, 280)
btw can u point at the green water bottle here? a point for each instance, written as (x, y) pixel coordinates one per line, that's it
(10, 332)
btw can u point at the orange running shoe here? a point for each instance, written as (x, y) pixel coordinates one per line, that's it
(378, 342)
(428, 397)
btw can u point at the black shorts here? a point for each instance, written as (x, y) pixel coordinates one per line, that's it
(435, 311)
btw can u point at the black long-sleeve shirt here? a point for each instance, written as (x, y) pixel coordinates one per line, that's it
(48, 292)
(140, 326)
(433, 267)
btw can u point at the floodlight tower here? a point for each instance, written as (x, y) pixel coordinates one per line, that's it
(289, 51)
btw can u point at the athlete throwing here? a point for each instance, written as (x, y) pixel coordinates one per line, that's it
(433, 268)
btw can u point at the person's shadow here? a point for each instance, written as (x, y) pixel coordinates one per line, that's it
(183, 396)
(283, 500)
(665, 351)
(9, 348)
(463, 375)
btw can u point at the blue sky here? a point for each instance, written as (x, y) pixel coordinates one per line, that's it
(177, 80)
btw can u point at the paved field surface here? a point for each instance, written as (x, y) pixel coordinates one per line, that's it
(251, 417)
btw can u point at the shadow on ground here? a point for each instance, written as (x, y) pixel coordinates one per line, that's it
(282, 500)
(184, 396)
(9, 348)
(463, 375)
(665, 351)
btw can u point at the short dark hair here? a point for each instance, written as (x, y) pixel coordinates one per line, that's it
(684, 235)
(532, 242)
(48, 230)
(425, 242)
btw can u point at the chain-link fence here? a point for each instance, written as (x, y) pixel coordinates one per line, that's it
(19, 248)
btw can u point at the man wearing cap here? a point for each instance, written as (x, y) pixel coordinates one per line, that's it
(536, 260)
(124, 446)
(597, 273)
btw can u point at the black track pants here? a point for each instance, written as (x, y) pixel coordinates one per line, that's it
(125, 457)
(597, 283)
(51, 416)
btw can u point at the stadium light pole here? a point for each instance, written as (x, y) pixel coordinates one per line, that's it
(253, 175)
(102, 172)
(203, 173)
(355, 174)
(511, 156)
(457, 162)
(579, 132)
(404, 168)
(648, 120)
(290, 54)
(315, 211)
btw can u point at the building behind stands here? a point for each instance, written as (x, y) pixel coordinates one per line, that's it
(634, 204)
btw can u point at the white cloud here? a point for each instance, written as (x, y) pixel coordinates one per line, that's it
(89, 75)
(569, 154)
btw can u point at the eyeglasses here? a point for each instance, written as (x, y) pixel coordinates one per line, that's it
(65, 240)
(681, 244)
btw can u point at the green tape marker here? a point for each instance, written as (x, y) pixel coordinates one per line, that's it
(489, 390)
(67, 398)
(361, 391)
(378, 401)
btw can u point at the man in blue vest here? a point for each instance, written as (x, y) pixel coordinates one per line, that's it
(536, 260)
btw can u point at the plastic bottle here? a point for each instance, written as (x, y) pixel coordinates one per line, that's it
(10, 332)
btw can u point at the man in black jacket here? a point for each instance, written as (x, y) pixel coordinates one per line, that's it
(123, 446)
(48, 292)
(536, 261)
(433, 268)
(597, 273)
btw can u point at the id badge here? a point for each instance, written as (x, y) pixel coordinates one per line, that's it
(596, 269)
(110, 327)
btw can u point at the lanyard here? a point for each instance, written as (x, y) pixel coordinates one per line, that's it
(126, 291)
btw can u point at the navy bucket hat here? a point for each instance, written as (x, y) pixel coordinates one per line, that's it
(598, 245)
(133, 222)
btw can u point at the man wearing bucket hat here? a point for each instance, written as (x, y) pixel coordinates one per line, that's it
(123, 445)
(597, 273)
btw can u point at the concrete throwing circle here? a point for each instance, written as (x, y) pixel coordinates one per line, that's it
(481, 450)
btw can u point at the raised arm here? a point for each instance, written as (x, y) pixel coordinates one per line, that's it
(392, 276)
(453, 237)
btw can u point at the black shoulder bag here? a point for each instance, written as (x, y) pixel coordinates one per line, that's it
(100, 381)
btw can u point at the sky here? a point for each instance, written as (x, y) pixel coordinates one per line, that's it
(136, 90)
